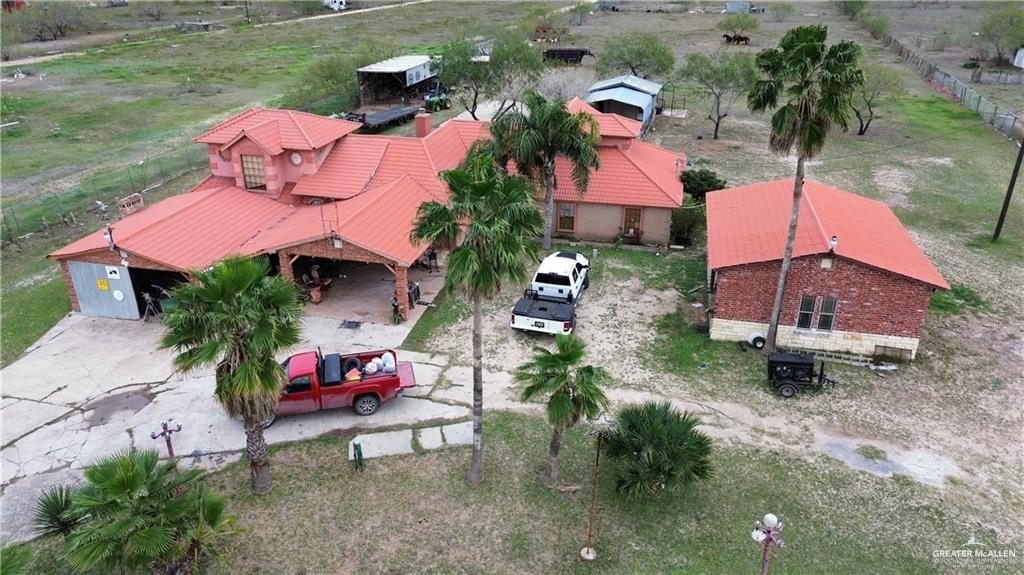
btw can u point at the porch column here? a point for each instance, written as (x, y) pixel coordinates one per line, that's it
(402, 289)
(70, 285)
(284, 260)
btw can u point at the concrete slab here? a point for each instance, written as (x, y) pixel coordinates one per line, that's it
(17, 504)
(83, 357)
(426, 378)
(382, 444)
(430, 437)
(498, 388)
(27, 415)
(458, 433)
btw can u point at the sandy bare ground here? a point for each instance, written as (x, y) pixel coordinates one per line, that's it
(951, 421)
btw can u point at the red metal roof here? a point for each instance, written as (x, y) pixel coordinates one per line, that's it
(748, 224)
(612, 125)
(279, 129)
(378, 181)
(642, 175)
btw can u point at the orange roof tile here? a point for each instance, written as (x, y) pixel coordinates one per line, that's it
(748, 224)
(642, 175)
(346, 171)
(281, 129)
(612, 125)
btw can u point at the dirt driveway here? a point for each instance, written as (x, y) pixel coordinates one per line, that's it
(940, 422)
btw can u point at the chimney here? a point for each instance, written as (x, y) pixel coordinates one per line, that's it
(422, 123)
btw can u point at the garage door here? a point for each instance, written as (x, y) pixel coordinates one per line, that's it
(103, 290)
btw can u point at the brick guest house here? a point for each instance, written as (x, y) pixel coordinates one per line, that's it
(858, 283)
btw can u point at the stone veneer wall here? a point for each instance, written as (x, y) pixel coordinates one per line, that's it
(834, 341)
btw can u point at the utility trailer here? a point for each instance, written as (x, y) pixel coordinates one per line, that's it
(375, 121)
(568, 55)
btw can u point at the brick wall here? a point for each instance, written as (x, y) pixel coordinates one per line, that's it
(602, 222)
(869, 300)
(348, 252)
(109, 258)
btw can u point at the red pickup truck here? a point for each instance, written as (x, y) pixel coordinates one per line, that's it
(317, 381)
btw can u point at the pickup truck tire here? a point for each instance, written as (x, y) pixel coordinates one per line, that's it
(366, 404)
(586, 281)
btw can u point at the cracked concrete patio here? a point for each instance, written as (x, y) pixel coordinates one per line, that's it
(92, 386)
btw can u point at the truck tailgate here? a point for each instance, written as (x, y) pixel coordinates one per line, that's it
(406, 377)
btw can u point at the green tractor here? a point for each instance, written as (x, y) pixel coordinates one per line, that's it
(437, 99)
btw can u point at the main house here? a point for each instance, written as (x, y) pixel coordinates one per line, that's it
(302, 188)
(858, 283)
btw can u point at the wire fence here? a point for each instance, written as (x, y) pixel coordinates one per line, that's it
(98, 194)
(1003, 119)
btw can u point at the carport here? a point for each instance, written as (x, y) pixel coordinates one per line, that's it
(393, 79)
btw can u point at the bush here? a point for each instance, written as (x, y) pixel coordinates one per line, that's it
(53, 514)
(687, 223)
(851, 8)
(781, 11)
(739, 23)
(699, 181)
(329, 85)
(134, 513)
(14, 558)
(877, 25)
(655, 446)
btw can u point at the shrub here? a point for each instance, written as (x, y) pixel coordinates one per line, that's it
(135, 513)
(53, 514)
(687, 223)
(699, 181)
(739, 23)
(655, 446)
(14, 558)
(851, 8)
(781, 11)
(877, 25)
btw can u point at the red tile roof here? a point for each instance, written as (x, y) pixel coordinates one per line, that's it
(612, 125)
(279, 129)
(378, 181)
(642, 175)
(748, 224)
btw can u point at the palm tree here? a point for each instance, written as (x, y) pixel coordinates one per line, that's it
(497, 218)
(133, 507)
(655, 446)
(546, 131)
(206, 526)
(237, 318)
(53, 514)
(573, 390)
(810, 86)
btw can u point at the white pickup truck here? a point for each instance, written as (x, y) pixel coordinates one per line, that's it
(535, 313)
(549, 305)
(562, 276)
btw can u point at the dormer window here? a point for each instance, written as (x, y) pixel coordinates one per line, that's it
(253, 173)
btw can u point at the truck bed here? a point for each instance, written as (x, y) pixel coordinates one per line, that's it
(543, 315)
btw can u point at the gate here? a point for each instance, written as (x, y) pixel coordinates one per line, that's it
(104, 291)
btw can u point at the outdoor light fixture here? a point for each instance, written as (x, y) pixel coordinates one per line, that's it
(336, 241)
(108, 234)
(766, 534)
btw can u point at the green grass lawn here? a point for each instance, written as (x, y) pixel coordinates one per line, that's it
(416, 514)
(445, 311)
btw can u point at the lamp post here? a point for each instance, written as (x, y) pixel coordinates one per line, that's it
(599, 428)
(166, 431)
(766, 534)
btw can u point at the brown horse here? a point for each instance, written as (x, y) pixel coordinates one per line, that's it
(728, 38)
(737, 39)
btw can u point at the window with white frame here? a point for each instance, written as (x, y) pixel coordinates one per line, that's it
(253, 174)
(803, 319)
(827, 314)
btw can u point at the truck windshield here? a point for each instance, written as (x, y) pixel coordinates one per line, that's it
(552, 279)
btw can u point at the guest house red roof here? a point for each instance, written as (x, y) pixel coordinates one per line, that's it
(749, 224)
